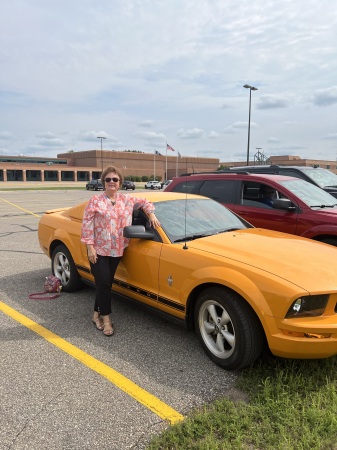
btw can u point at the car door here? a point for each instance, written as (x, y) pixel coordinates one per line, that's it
(174, 270)
(261, 215)
(137, 273)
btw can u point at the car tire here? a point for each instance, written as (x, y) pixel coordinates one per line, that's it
(228, 328)
(63, 267)
(87, 188)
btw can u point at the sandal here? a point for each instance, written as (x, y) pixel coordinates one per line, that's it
(98, 322)
(108, 329)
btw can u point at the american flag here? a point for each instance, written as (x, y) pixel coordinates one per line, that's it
(168, 147)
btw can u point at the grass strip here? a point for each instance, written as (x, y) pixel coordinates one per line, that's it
(292, 406)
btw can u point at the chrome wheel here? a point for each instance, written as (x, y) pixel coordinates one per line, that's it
(217, 329)
(63, 267)
(228, 328)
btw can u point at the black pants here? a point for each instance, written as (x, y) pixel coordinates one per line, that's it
(104, 271)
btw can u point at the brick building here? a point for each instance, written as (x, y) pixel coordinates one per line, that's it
(85, 165)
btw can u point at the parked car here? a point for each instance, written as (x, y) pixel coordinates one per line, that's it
(166, 183)
(95, 185)
(153, 185)
(298, 207)
(127, 184)
(323, 178)
(238, 286)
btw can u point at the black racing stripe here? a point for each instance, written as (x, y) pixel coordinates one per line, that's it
(135, 289)
(83, 269)
(171, 304)
(149, 295)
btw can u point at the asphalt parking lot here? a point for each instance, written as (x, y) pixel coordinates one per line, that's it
(59, 399)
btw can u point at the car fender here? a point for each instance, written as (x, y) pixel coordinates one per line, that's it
(234, 280)
(322, 229)
(72, 244)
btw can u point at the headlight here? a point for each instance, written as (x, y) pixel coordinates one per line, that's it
(308, 306)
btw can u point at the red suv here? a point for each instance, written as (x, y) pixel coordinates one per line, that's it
(276, 202)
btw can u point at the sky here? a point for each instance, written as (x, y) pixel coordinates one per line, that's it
(146, 73)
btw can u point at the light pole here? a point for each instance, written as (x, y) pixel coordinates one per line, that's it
(251, 88)
(101, 138)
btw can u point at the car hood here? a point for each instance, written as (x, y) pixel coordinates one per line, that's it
(327, 213)
(300, 261)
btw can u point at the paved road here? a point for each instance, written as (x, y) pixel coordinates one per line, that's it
(50, 399)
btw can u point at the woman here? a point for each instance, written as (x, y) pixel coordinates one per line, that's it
(104, 219)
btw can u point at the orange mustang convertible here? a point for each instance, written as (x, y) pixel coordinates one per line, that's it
(240, 287)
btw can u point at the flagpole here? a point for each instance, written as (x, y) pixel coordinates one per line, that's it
(166, 164)
(154, 165)
(177, 164)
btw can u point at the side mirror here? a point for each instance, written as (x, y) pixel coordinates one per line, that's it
(138, 232)
(283, 203)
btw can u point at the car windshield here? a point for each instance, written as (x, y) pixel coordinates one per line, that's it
(191, 218)
(312, 195)
(323, 177)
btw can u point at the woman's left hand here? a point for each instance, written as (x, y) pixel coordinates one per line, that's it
(154, 222)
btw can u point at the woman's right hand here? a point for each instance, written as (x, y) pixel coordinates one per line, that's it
(92, 255)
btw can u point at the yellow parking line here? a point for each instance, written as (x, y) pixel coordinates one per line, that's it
(19, 207)
(141, 395)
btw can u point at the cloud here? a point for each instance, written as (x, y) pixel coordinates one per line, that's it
(151, 135)
(92, 135)
(273, 140)
(112, 65)
(325, 97)
(146, 123)
(332, 136)
(55, 142)
(45, 135)
(193, 133)
(6, 136)
(272, 102)
(151, 139)
(231, 129)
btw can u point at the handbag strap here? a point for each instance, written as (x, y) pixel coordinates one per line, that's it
(43, 296)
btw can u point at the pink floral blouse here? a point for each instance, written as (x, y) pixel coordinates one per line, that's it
(103, 223)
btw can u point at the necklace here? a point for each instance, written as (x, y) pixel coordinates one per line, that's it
(113, 201)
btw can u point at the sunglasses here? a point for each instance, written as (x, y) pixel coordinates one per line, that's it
(114, 179)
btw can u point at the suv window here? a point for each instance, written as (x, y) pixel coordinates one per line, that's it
(188, 187)
(258, 195)
(222, 191)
